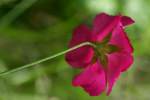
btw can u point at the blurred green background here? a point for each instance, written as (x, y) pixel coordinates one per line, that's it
(34, 29)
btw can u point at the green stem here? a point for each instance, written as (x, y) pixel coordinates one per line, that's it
(47, 58)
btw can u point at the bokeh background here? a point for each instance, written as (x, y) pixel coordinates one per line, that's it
(34, 29)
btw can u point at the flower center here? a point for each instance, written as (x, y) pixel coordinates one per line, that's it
(102, 49)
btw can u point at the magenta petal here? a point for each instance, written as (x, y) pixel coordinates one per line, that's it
(120, 39)
(80, 57)
(103, 25)
(128, 61)
(118, 62)
(80, 34)
(101, 21)
(126, 21)
(92, 79)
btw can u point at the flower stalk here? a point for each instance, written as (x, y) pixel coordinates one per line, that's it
(45, 59)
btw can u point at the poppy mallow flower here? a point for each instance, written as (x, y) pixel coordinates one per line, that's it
(101, 65)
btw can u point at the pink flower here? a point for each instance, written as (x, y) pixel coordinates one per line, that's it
(101, 65)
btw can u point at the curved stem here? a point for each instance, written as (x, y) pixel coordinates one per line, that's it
(47, 58)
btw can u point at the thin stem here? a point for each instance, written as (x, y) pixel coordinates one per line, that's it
(45, 59)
